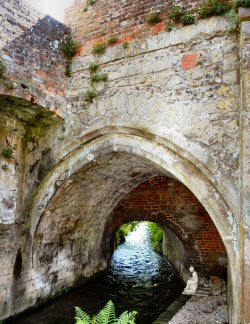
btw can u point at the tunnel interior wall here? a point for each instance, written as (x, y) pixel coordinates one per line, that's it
(190, 236)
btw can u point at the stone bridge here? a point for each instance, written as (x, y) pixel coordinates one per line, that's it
(166, 139)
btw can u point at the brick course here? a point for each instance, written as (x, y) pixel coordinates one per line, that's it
(119, 18)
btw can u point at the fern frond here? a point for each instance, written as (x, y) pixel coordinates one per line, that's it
(107, 314)
(82, 317)
(127, 318)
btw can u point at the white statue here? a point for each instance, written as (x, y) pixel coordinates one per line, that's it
(192, 283)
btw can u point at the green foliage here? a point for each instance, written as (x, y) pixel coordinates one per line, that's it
(70, 48)
(93, 67)
(98, 77)
(90, 95)
(188, 19)
(91, 2)
(176, 14)
(99, 49)
(213, 8)
(81, 316)
(234, 21)
(241, 3)
(123, 231)
(106, 315)
(127, 318)
(4, 168)
(2, 69)
(8, 151)
(112, 40)
(68, 69)
(154, 18)
(9, 85)
(125, 45)
(156, 236)
(169, 27)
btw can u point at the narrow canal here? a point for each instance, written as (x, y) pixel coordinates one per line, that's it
(137, 279)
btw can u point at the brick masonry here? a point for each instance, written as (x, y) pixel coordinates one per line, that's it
(122, 19)
(171, 204)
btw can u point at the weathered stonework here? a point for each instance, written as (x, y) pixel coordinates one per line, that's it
(175, 105)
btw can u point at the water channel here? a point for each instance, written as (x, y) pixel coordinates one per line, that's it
(137, 279)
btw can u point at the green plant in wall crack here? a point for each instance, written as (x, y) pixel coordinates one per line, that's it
(188, 19)
(241, 3)
(98, 77)
(2, 70)
(99, 49)
(89, 3)
(93, 67)
(234, 21)
(112, 40)
(106, 315)
(4, 168)
(213, 8)
(125, 45)
(176, 14)
(70, 48)
(153, 18)
(8, 151)
(90, 95)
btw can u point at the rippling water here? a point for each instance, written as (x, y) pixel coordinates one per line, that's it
(140, 278)
(137, 279)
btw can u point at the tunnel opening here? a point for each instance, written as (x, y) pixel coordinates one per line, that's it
(139, 276)
(100, 192)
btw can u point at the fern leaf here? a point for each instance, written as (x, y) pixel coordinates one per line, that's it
(107, 314)
(82, 317)
(127, 318)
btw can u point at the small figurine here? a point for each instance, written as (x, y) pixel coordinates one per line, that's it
(192, 283)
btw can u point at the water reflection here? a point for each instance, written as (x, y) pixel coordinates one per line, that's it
(140, 278)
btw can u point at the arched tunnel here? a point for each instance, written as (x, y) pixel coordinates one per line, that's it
(73, 239)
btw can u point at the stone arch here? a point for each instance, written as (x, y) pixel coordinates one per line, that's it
(160, 160)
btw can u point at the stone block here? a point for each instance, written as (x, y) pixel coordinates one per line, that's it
(244, 14)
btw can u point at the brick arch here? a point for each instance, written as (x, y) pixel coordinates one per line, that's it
(165, 201)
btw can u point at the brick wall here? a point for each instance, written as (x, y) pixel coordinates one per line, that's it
(124, 19)
(30, 45)
(171, 204)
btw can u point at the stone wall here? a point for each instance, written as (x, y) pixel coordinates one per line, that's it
(30, 48)
(171, 107)
(245, 161)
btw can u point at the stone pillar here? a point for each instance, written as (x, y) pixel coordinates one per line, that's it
(244, 14)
